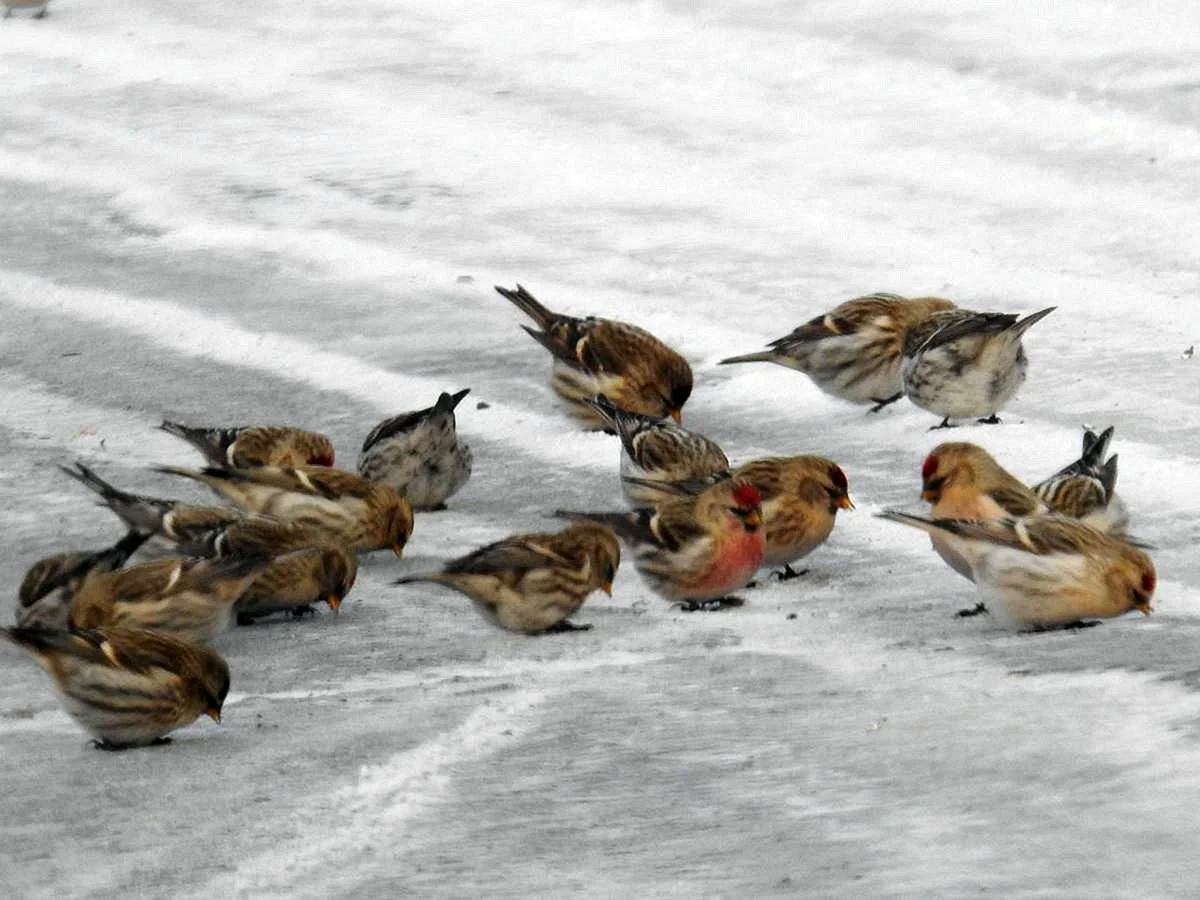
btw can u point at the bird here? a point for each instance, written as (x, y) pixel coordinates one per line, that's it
(128, 687)
(169, 521)
(532, 583)
(419, 454)
(1086, 489)
(658, 450)
(256, 445)
(37, 7)
(44, 598)
(854, 351)
(694, 551)
(296, 580)
(959, 363)
(963, 481)
(190, 599)
(1047, 571)
(359, 513)
(630, 366)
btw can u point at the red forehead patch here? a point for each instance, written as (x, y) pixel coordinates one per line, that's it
(930, 467)
(747, 495)
(1149, 583)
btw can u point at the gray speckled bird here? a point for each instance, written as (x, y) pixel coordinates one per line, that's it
(419, 454)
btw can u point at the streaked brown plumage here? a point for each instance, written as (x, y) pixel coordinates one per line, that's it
(362, 515)
(1087, 488)
(630, 366)
(256, 445)
(854, 351)
(190, 599)
(531, 583)
(960, 363)
(128, 687)
(44, 598)
(419, 454)
(694, 550)
(297, 579)
(657, 450)
(1047, 571)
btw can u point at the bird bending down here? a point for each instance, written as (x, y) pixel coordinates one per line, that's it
(630, 366)
(531, 583)
(854, 351)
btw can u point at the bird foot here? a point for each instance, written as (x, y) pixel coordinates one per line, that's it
(564, 626)
(299, 612)
(979, 610)
(945, 423)
(787, 573)
(245, 619)
(993, 419)
(710, 605)
(880, 404)
(109, 747)
(1069, 626)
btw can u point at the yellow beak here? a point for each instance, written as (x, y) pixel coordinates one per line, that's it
(607, 588)
(931, 496)
(213, 713)
(335, 602)
(845, 502)
(398, 549)
(1144, 607)
(753, 518)
(677, 415)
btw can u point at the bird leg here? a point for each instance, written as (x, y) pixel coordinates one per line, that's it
(299, 612)
(787, 573)
(945, 424)
(565, 626)
(993, 419)
(979, 610)
(880, 404)
(110, 747)
(245, 619)
(1069, 626)
(710, 605)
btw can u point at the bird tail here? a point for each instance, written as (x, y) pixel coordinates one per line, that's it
(447, 403)
(924, 524)
(529, 305)
(415, 577)
(212, 442)
(37, 641)
(761, 356)
(140, 513)
(1108, 475)
(1023, 325)
(628, 525)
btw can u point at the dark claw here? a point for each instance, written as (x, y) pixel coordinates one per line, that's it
(993, 419)
(880, 404)
(979, 610)
(711, 605)
(441, 507)
(299, 612)
(945, 424)
(113, 748)
(565, 626)
(787, 573)
(245, 619)
(1070, 626)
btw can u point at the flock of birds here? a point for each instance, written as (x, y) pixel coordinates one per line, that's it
(125, 642)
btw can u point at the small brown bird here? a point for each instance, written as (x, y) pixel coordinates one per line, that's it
(854, 351)
(531, 583)
(128, 688)
(256, 445)
(964, 481)
(1087, 488)
(960, 363)
(298, 579)
(695, 550)
(44, 598)
(657, 450)
(1048, 571)
(189, 599)
(631, 367)
(419, 454)
(360, 514)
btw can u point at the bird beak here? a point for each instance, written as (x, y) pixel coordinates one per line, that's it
(677, 415)
(1143, 606)
(931, 496)
(752, 519)
(335, 602)
(398, 549)
(845, 502)
(213, 713)
(607, 588)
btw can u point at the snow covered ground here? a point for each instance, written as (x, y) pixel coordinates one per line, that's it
(230, 212)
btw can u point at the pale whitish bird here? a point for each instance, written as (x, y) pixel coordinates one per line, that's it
(963, 364)
(694, 551)
(531, 583)
(658, 450)
(360, 514)
(1087, 488)
(125, 687)
(256, 445)
(44, 598)
(419, 454)
(1048, 571)
(630, 366)
(854, 351)
(190, 599)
